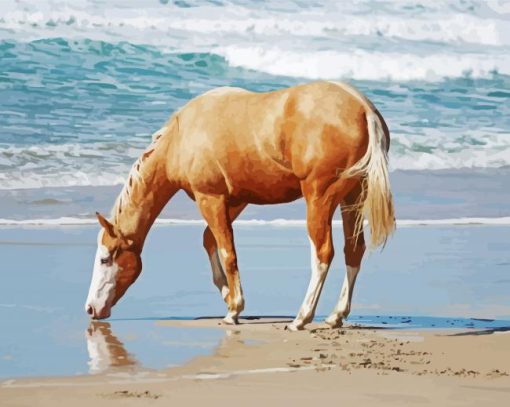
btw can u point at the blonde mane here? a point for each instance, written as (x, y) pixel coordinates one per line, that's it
(135, 176)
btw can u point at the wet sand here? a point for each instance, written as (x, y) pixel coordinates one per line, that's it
(261, 362)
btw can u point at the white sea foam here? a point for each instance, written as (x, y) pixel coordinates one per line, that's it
(54, 165)
(100, 164)
(72, 221)
(454, 29)
(439, 149)
(138, 21)
(404, 41)
(329, 40)
(364, 65)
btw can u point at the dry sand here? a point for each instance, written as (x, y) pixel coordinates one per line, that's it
(261, 362)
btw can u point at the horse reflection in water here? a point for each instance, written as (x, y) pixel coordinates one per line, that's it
(107, 353)
(105, 350)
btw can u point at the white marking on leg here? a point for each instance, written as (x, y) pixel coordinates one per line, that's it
(219, 278)
(238, 300)
(307, 310)
(343, 307)
(224, 253)
(224, 292)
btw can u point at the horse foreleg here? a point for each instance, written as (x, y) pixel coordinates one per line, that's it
(218, 274)
(354, 249)
(319, 214)
(215, 211)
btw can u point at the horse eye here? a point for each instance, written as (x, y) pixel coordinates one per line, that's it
(106, 260)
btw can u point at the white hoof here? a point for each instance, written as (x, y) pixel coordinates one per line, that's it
(295, 326)
(333, 321)
(231, 319)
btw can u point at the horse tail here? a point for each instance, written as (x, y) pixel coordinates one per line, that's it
(376, 201)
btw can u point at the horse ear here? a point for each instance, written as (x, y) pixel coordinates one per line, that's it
(110, 229)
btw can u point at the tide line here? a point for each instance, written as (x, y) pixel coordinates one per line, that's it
(71, 221)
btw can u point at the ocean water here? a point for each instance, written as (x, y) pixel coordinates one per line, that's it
(83, 85)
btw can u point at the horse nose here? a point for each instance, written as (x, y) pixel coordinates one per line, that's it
(90, 311)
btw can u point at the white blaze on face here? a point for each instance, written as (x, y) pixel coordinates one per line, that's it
(102, 286)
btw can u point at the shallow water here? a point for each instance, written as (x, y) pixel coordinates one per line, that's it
(448, 272)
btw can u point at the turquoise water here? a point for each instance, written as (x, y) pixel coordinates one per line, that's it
(84, 84)
(427, 277)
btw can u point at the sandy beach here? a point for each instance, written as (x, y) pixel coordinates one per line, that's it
(259, 361)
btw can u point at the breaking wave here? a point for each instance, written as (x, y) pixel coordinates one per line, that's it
(97, 164)
(365, 65)
(421, 41)
(83, 84)
(166, 24)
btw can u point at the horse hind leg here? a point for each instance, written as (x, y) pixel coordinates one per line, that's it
(354, 249)
(319, 216)
(210, 246)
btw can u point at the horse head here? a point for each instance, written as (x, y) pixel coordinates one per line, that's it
(116, 266)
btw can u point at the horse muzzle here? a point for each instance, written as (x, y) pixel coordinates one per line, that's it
(98, 313)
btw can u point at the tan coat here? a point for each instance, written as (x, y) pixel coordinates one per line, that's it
(229, 148)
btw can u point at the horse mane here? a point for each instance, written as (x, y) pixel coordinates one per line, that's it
(135, 176)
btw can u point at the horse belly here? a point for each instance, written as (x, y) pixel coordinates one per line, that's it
(264, 188)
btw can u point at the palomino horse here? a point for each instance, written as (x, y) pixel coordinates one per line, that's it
(230, 147)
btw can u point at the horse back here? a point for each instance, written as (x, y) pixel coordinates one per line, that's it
(259, 147)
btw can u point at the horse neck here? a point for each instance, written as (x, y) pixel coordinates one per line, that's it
(144, 195)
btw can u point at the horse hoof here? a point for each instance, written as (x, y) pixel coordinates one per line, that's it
(293, 327)
(333, 322)
(230, 320)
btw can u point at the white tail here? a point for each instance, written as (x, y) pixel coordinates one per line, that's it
(376, 202)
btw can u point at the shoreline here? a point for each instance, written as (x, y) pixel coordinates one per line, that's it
(260, 360)
(435, 194)
(75, 221)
